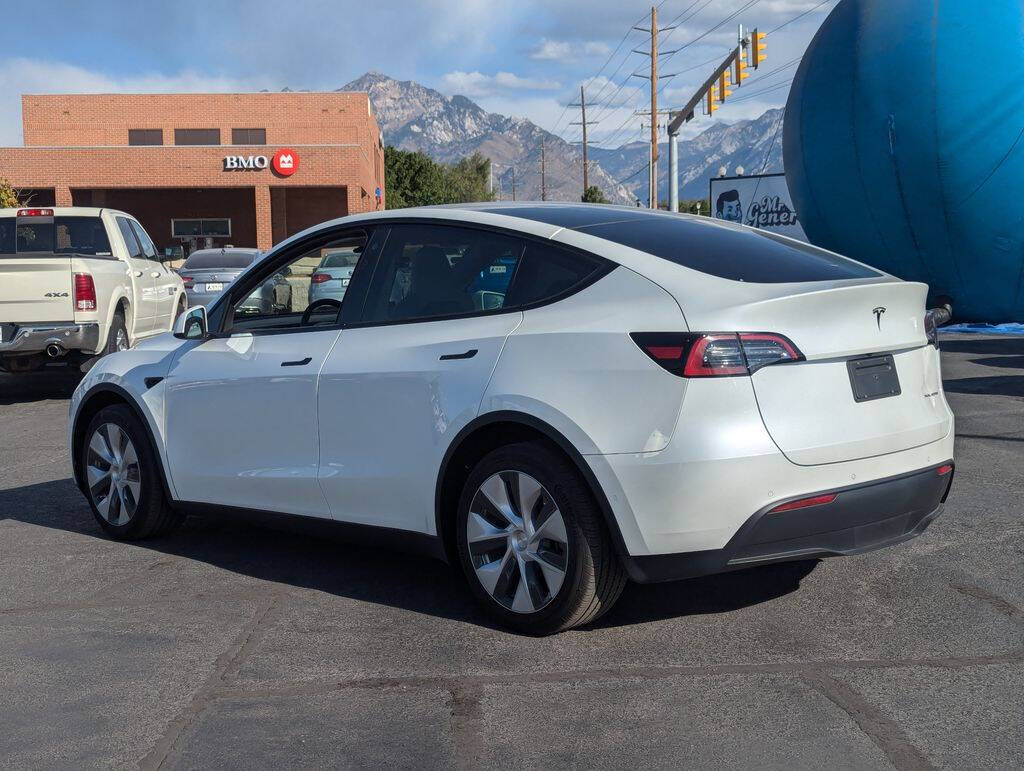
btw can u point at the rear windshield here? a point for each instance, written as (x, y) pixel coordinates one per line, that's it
(57, 235)
(340, 260)
(202, 260)
(739, 254)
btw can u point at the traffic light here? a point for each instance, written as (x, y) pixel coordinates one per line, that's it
(724, 83)
(757, 49)
(741, 67)
(712, 99)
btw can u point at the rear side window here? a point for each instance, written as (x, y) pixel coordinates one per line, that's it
(57, 235)
(548, 271)
(738, 254)
(437, 271)
(130, 241)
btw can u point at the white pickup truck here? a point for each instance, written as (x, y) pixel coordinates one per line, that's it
(77, 283)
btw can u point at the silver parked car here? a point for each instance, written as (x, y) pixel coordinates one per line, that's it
(208, 272)
(331, 278)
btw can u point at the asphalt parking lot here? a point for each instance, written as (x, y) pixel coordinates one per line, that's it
(231, 646)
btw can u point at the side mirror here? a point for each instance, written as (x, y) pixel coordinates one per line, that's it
(192, 324)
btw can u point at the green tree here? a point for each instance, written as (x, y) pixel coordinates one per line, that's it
(8, 195)
(414, 179)
(695, 206)
(469, 180)
(593, 194)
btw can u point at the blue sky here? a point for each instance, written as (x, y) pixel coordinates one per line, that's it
(518, 58)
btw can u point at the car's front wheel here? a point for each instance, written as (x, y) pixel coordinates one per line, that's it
(122, 481)
(532, 542)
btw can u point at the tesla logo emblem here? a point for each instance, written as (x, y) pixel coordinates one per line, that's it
(879, 312)
(285, 162)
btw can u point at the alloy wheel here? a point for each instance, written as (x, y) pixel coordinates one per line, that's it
(517, 541)
(112, 473)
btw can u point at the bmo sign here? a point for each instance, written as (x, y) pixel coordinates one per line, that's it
(284, 162)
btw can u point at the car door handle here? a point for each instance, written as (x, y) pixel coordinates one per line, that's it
(138, 274)
(299, 363)
(453, 356)
(155, 274)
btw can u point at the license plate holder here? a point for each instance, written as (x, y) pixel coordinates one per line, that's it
(215, 287)
(873, 378)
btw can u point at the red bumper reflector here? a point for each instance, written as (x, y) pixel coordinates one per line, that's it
(943, 470)
(803, 503)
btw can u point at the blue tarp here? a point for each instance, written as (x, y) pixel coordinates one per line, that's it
(983, 329)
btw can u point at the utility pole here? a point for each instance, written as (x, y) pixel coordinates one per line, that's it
(513, 183)
(583, 122)
(543, 174)
(653, 53)
(654, 107)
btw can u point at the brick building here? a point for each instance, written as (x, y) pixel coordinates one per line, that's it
(203, 169)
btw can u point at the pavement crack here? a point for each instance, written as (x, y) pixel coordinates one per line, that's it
(167, 749)
(888, 735)
(1002, 605)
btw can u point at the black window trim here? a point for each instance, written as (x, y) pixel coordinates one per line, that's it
(220, 314)
(603, 267)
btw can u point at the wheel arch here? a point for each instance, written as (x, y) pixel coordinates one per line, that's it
(488, 432)
(95, 399)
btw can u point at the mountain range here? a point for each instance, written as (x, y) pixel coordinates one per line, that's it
(448, 128)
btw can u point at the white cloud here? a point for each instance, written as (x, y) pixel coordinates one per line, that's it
(478, 85)
(36, 76)
(565, 51)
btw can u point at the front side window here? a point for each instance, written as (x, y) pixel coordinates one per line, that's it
(288, 300)
(148, 247)
(436, 271)
(130, 241)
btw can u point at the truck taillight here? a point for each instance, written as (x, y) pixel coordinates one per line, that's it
(85, 292)
(716, 354)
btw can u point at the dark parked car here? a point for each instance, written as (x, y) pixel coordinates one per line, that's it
(208, 272)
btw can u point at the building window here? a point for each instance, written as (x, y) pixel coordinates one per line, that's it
(248, 136)
(191, 228)
(145, 136)
(197, 136)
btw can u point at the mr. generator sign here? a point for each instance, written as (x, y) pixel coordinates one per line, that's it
(283, 163)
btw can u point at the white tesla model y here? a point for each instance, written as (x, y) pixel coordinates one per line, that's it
(555, 397)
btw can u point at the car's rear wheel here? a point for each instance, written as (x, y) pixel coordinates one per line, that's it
(122, 481)
(117, 337)
(532, 542)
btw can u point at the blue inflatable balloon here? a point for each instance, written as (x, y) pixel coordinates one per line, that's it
(904, 145)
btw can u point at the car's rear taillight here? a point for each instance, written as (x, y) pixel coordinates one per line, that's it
(319, 278)
(85, 292)
(187, 281)
(716, 354)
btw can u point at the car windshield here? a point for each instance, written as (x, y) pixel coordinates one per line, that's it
(340, 260)
(218, 259)
(56, 235)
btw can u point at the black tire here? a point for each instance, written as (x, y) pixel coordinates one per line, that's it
(116, 325)
(152, 515)
(182, 307)
(594, 576)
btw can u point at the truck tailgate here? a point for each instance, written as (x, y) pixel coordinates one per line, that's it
(36, 289)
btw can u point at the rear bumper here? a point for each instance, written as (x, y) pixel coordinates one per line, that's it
(862, 518)
(33, 338)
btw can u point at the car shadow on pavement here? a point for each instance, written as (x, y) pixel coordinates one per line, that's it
(370, 574)
(996, 385)
(993, 346)
(49, 383)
